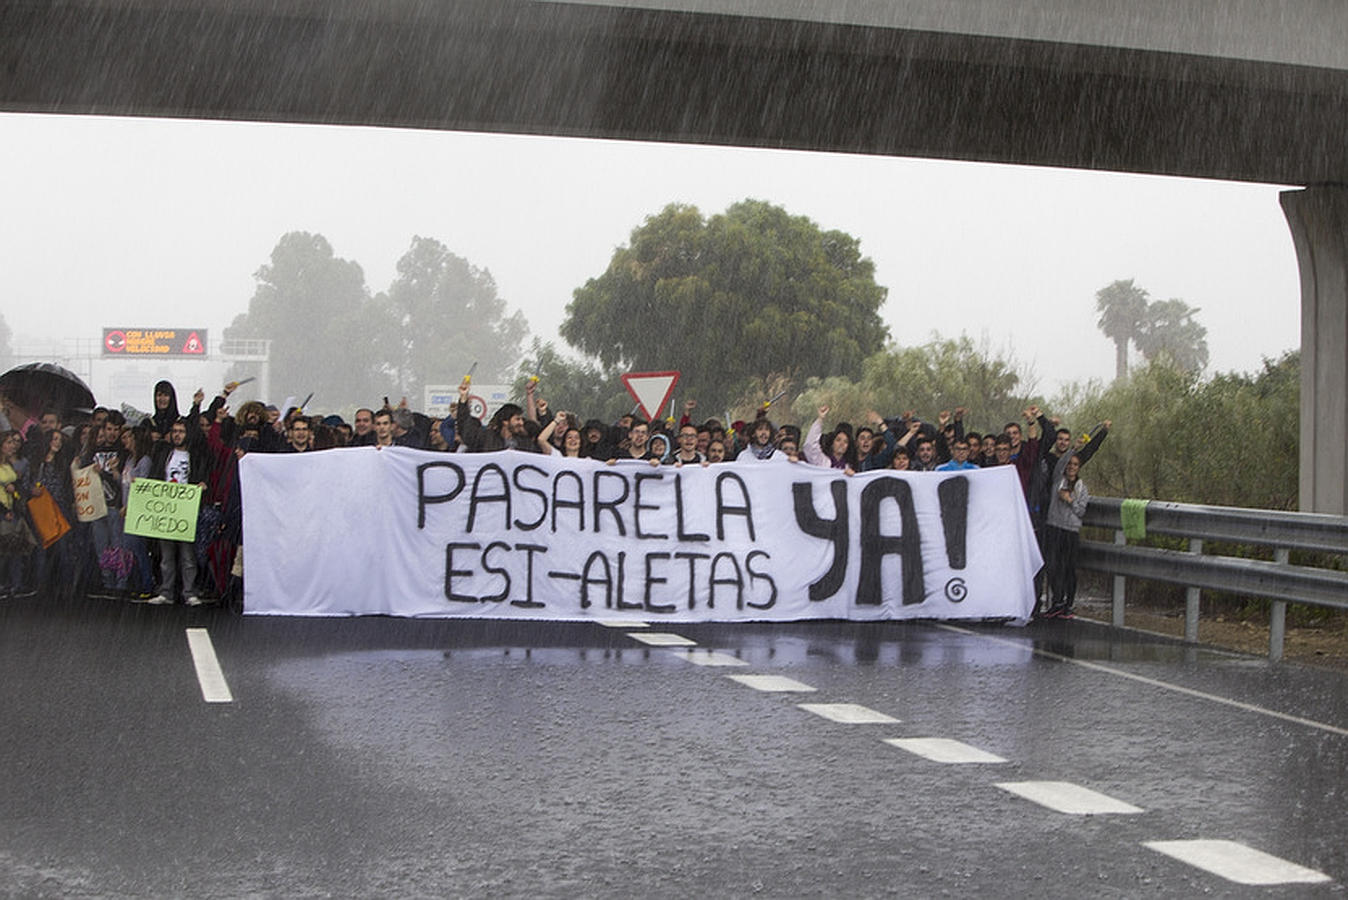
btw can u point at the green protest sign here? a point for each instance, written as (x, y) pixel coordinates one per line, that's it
(162, 509)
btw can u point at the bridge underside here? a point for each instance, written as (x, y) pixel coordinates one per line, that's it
(611, 71)
(614, 72)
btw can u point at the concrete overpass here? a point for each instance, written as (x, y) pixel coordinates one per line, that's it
(1250, 90)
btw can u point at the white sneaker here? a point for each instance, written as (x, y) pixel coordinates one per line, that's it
(158, 600)
(193, 601)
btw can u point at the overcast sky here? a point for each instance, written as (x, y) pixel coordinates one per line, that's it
(154, 223)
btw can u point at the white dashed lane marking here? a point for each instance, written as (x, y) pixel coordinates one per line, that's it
(1065, 797)
(1152, 682)
(849, 713)
(1237, 862)
(944, 750)
(661, 639)
(621, 623)
(214, 689)
(708, 658)
(774, 683)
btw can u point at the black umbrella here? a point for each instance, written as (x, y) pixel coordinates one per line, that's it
(40, 386)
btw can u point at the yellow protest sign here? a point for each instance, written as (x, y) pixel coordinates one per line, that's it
(162, 509)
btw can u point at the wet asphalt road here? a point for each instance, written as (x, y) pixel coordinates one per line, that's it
(383, 757)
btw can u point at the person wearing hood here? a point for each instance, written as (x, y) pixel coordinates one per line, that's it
(165, 408)
(596, 441)
(658, 448)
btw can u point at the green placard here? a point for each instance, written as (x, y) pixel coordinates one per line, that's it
(162, 509)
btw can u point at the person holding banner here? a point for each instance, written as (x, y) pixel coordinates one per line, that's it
(687, 453)
(181, 459)
(596, 441)
(637, 445)
(760, 445)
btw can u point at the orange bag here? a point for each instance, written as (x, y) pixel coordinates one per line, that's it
(50, 523)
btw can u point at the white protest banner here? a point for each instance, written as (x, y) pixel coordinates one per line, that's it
(90, 504)
(360, 531)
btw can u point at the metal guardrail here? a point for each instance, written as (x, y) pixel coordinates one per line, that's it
(1278, 580)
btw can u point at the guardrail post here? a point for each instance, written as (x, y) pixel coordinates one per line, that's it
(1277, 614)
(1117, 616)
(1191, 600)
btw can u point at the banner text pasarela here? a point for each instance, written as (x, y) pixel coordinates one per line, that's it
(514, 534)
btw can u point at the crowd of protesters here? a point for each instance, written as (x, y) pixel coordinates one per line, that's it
(203, 447)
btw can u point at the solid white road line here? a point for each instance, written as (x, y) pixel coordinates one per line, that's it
(700, 657)
(1165, 685)
(212, 679)
(661, 639)
(621, 623)
(944, 750)
(773, 683)
(849, 713)
(1237, 862)
(1065, 797)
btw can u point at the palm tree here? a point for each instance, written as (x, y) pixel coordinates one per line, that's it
(1123, 313)
(1170, 330)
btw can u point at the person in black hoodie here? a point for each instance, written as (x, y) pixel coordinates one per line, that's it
(165, 408)
(597, 441)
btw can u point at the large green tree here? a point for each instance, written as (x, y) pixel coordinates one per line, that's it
(442, 314)
(1123, 311)
(728, 298)
(1238, 446)
(946, 373)
(576, 386)
(315, 309)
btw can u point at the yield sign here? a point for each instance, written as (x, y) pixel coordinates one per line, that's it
(651, 390)
(193, 344)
